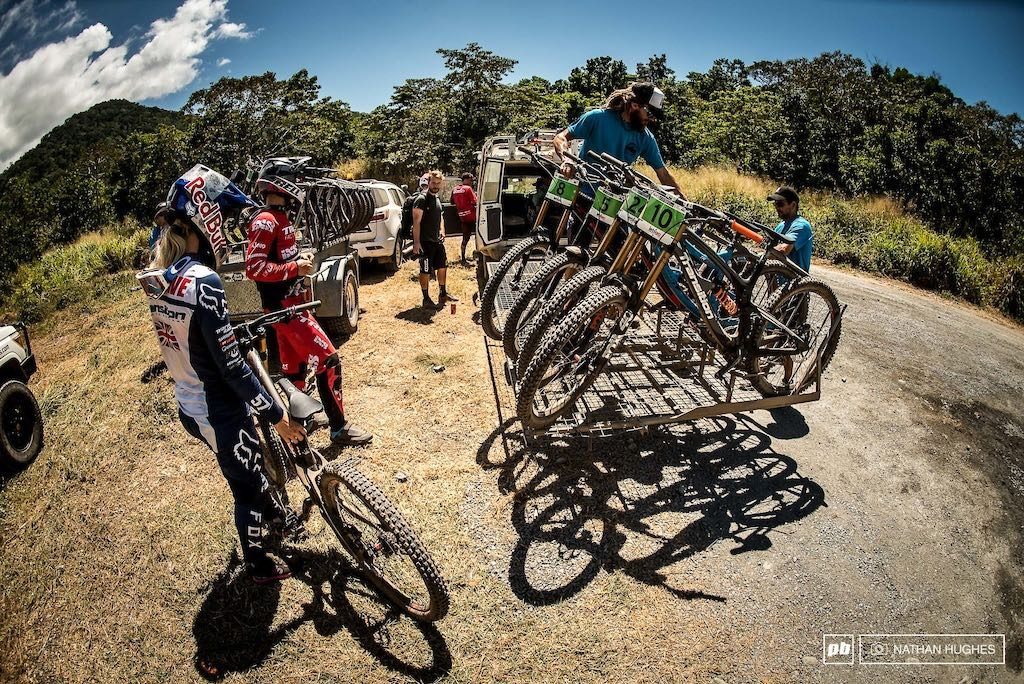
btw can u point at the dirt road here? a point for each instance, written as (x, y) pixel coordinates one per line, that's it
(717, 551)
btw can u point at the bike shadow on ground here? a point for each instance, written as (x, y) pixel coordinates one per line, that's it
(639, 504)
(235, 628)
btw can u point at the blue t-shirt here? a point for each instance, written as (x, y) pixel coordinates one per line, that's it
(603, 130)
(800, 230)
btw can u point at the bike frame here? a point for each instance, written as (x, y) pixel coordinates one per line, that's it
(307, 461)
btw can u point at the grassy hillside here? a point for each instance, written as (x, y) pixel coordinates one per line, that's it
(874, 234)
(109, 121)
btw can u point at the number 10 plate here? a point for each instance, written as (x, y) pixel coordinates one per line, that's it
(661, 221)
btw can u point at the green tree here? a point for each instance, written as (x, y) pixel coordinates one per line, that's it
(258, 116)
(600, 76)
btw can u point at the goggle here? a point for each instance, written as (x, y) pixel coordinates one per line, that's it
(153, 283)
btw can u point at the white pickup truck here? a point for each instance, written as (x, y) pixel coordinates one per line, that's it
(21, 423)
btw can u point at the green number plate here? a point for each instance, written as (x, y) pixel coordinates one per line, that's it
(633, 207)
(562, 191)
(606, 206)
(661, 221)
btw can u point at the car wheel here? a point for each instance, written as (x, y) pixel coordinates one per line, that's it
(397, 258)
(21, 426)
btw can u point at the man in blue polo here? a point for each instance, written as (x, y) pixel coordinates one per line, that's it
(620, 129)
(792, 225)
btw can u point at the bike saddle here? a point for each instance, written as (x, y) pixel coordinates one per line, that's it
(300, 405)
(776, 238)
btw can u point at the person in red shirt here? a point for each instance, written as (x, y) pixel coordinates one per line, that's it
(465, 202)
(273, 261)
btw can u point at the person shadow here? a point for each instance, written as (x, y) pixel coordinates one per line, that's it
(235, 628)
(417, 314)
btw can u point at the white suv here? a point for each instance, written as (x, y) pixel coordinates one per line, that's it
(379, 240)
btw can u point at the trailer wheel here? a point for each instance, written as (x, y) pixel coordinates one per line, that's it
(21, 426)
(346, 324)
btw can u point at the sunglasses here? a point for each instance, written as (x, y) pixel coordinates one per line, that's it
(650, 113)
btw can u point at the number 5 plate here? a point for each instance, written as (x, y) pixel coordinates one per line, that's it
(562, 191)
(606, 206)
(661, 221)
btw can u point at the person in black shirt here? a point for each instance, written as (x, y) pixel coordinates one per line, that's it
(428, 242)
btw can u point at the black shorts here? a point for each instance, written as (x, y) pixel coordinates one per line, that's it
(432, 257)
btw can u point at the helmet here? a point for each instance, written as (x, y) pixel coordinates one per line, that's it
(202, 196)
(650, 95)
(277, 185)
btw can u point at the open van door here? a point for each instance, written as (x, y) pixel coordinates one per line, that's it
(489, 227)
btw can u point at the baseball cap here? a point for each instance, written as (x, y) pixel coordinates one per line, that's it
(784, 193)
(649, 94)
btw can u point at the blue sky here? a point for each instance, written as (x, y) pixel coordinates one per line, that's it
(360, 51)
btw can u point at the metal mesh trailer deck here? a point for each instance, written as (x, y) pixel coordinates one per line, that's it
(662, 373)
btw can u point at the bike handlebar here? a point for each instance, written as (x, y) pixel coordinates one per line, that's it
(276, 316)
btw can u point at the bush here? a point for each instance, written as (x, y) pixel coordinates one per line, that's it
(1008, 286)
(76, 273)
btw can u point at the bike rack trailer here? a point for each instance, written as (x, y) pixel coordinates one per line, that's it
(662, 374)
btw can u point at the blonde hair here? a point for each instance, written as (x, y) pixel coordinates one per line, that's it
(172, 245)
(436, 174)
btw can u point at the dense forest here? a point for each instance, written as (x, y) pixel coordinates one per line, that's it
(832, 123)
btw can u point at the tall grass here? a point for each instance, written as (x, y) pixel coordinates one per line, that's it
(874, 234)
(76, 273)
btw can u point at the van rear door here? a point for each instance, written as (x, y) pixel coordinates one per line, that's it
(489, 227)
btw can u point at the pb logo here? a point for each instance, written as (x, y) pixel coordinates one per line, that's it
(837, 649)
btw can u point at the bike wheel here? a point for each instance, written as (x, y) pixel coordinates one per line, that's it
(570, 357)
(276, 464)
(532, 296)
(512, 265)
(810, 308)
(566, 297)
(382, 543)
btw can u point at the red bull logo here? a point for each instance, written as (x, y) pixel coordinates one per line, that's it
(209, 211)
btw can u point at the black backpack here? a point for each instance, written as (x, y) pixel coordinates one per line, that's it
(405, 231)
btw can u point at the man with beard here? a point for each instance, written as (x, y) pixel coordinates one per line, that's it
(428, 241)
(620, 129)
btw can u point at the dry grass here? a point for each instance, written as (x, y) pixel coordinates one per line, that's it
(117, 546)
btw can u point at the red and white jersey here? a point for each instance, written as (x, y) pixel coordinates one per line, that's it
(270, 259)
(464, 200)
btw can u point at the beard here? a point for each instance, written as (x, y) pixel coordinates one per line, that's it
(635, 121)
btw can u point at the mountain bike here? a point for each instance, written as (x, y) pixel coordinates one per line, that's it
(799, 325)
(508, 274)
(601, 221)
(368, 526)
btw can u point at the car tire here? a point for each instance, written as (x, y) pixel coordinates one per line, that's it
(394, 262)
(21, 426)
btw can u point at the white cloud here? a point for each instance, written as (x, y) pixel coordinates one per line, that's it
(232, 30)
(223, 61)
(70, 76)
